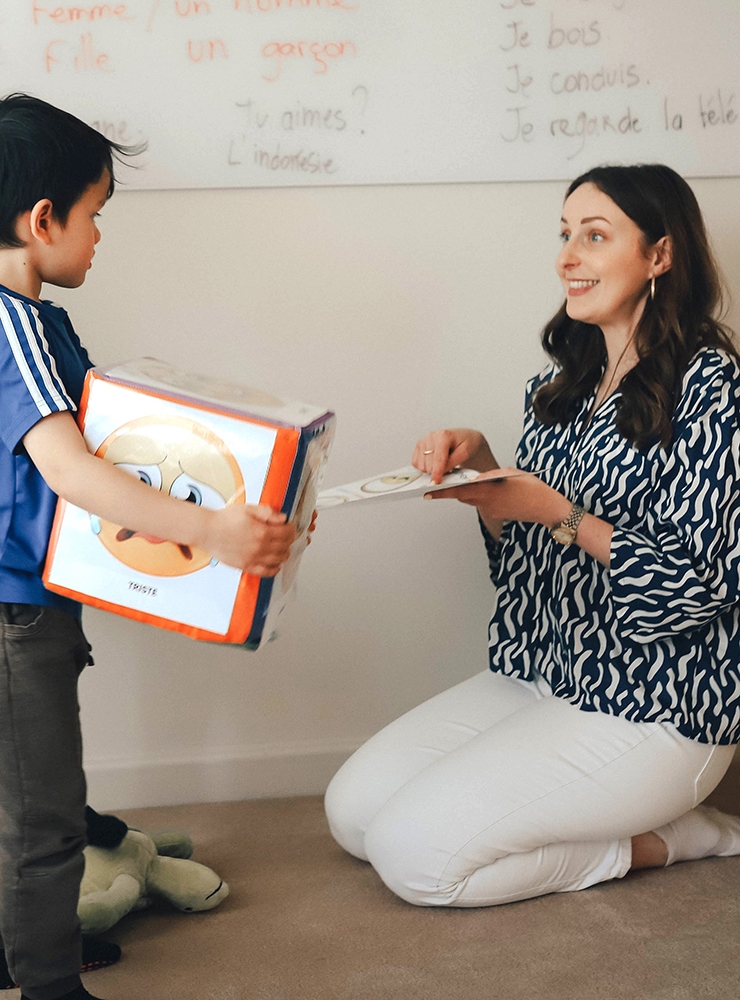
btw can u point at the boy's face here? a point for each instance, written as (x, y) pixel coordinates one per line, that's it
(74, 244)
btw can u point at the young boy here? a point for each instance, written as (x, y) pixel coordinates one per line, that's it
(56, 173)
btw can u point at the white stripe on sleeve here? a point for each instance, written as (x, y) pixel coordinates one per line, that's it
(23, 368)
(45, 363)
(45, 366)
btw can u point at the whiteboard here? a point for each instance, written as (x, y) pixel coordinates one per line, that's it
(253, 93)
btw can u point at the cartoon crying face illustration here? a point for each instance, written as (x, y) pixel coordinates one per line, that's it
(183, 459)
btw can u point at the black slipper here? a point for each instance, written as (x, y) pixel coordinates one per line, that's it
(104, 830)
(79, 993)
(6, 983)
(96, 954)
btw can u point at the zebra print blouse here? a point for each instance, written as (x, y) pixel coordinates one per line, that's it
(656, 637)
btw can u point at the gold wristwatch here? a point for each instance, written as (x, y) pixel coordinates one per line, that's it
(566, 531)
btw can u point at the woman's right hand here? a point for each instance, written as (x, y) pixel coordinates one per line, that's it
(440, 452)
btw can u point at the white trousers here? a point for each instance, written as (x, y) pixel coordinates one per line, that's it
(495, 791)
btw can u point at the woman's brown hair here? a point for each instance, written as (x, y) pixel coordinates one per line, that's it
(683, 316)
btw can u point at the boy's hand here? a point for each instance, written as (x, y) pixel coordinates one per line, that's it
(254, 539)
(312, 527)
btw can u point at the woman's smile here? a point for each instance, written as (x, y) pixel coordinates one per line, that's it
(579, 286)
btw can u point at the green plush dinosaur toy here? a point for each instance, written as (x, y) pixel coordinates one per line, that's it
(129, 877)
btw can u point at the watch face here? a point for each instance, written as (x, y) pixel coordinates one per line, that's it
(563, 534)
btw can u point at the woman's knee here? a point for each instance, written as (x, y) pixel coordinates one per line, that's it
(402, 853)
(400, 848)
(361, 788)
(345, 808)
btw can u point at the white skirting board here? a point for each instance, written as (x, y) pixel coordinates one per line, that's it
(262, 773)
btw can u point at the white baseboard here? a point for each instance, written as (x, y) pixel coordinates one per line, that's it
(259, 774)
(275, 772)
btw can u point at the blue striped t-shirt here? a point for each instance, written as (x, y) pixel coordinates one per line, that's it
(42, 371)
(656, 636)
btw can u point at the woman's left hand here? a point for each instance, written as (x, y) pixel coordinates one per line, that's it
(518, 497)
(523, 497)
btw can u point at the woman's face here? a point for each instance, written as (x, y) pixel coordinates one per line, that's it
(604, 265)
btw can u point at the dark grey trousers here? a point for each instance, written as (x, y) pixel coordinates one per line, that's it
(42, 797)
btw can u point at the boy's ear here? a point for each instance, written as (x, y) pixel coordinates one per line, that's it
(41, 219)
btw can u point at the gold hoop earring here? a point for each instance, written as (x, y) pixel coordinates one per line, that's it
(652, 287)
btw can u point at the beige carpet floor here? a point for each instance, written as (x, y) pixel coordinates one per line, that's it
(306, 922)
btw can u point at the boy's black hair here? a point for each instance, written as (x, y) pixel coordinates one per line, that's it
(48, 153)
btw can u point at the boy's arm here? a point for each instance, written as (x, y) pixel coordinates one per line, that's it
(254, 539)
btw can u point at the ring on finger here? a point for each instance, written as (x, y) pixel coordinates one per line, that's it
(429, 452)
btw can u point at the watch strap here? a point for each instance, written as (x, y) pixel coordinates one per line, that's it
(565, 532)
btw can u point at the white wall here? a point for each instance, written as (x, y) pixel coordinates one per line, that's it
(404, 309)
